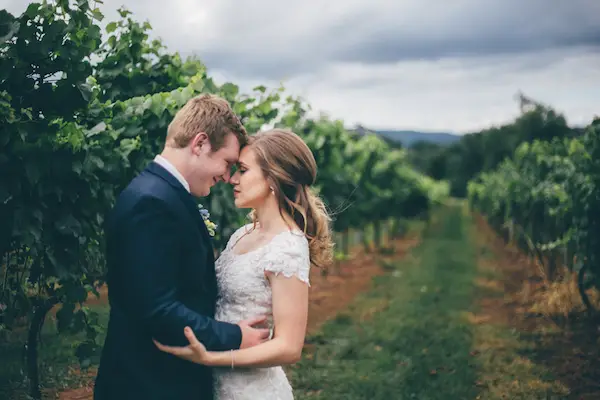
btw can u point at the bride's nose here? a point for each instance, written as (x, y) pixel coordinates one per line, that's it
(234, 180)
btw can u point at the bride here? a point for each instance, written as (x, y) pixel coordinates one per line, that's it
(264, 269)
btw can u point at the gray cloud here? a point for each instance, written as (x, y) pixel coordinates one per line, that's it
(278, 39)
(387, 32)
(480, 29)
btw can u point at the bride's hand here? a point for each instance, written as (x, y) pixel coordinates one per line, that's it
(195, 351)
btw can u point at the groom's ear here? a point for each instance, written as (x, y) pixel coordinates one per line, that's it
(200, 143)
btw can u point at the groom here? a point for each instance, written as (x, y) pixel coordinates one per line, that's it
(161, 274)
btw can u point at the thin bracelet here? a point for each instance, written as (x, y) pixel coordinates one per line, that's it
(231, 358)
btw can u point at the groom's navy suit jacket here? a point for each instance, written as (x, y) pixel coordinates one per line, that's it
(160, 279)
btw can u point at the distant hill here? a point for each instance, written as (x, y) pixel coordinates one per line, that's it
(408, 138)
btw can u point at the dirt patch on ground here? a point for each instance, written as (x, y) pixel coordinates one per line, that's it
(329, 294)
(568, 346)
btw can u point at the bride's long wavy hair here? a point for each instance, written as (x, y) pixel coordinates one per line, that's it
(290, 168)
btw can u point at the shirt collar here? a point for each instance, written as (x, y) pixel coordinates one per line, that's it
(163, 162)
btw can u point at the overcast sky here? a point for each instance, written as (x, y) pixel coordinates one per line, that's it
(433, 65)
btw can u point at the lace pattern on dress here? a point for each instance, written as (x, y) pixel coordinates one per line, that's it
(245, 292)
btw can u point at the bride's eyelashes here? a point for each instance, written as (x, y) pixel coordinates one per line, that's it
(241, 168)
(237, 168)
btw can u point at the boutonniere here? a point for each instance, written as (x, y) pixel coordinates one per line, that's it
(211, 226)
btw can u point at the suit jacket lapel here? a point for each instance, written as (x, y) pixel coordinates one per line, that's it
(184, 195)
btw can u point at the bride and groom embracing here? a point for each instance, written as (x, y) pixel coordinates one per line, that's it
(182, 325)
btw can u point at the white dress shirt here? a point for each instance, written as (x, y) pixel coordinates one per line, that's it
(163, 162)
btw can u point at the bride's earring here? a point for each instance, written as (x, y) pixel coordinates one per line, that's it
(272, 190)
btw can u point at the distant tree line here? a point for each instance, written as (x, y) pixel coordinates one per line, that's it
(461, 161)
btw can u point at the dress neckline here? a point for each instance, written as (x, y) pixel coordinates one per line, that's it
(291, 231)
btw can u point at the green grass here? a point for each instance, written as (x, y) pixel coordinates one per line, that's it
(417, 344)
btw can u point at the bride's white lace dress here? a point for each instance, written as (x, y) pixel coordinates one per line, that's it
(244, 292)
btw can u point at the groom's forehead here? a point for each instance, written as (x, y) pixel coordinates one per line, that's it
(231, 149)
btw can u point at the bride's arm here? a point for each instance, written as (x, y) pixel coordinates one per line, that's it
(290, 314)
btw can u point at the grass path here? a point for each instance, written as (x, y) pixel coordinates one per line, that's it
(415, 345)
(415, 334)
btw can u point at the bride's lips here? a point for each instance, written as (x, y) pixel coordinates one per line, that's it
(235, 192)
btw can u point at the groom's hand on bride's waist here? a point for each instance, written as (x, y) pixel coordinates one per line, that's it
(252, 336)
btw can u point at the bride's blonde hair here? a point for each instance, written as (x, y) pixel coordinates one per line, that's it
(290, 168)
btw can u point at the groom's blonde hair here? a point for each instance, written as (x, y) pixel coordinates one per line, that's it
(209, 114)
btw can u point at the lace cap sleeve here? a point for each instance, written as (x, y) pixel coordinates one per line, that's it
(289, 256)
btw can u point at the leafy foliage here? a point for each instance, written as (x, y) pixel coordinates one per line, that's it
(548, 193)
(131, 65)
